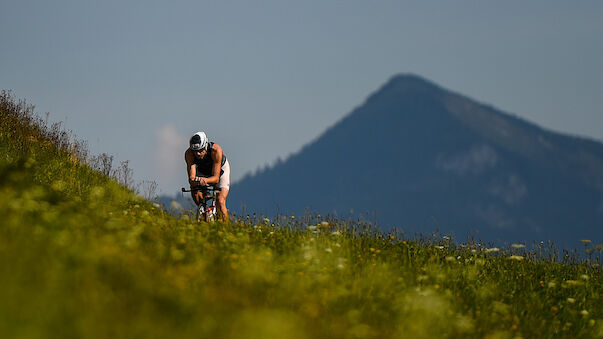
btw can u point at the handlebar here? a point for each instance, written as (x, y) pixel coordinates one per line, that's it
(202, 188)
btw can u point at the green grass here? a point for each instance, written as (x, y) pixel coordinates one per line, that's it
(83, 257)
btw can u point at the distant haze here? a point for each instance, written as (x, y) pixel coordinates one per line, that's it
(137, 78)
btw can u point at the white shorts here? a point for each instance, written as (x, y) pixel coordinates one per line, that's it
(225, 177)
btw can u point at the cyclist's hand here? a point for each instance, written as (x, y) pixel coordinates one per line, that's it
(199, 181)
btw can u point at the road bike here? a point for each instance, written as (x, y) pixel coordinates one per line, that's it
(206, 210)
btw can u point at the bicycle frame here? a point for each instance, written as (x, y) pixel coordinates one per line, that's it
(206, 210)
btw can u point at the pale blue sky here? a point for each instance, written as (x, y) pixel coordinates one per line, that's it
(263, 78)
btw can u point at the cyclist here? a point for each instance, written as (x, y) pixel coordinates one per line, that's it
(206, 164)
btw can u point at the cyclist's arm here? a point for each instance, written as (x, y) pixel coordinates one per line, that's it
(217, 157)
(191, 170)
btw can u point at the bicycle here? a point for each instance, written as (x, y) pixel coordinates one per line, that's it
(206, 210)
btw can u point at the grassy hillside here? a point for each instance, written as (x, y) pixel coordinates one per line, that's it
(82, 256)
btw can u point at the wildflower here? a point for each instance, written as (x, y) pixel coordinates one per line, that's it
(585, 241)
(175, 205)
(292, 217)
(266, 220)
(584, 313)
(584, 277)
(571, 300)
(439, 247)
(97, 192)
(337, 233)
(552, 284)
(446, 237)
(573, 283)
(324, 224)
(312, 228)
(516, 257)
(517, 246)
(493, 249)
(328, 250)
(450, 259)
(372, 249)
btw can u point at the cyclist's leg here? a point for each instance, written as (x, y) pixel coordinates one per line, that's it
(221, 204)
(197, 196)
(224, 186)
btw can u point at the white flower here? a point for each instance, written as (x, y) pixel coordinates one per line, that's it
(493, 249)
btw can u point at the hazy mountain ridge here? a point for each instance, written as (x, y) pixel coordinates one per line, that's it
(423, 158)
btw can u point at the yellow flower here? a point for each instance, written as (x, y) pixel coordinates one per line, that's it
(585, 241)
(518, 245)
(516, 257)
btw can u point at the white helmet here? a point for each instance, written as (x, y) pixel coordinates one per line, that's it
(198, 141)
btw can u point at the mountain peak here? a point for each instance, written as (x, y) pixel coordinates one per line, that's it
(410, 80)
(405, 84)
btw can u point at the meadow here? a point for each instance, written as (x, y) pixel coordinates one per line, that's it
(84, 256)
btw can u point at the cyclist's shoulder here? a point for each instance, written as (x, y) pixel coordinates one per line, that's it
(188, 155)
(215, 147)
